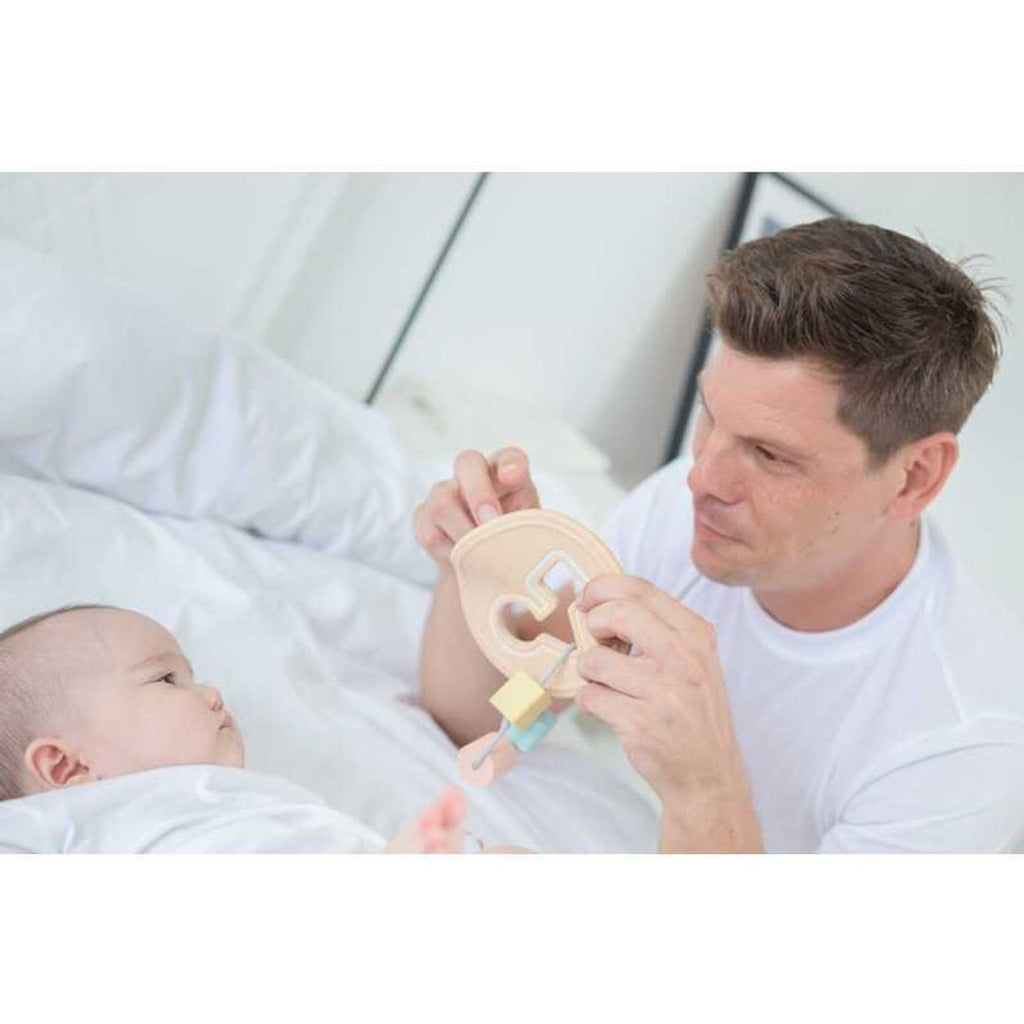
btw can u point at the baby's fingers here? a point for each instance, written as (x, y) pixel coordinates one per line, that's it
(452, 806)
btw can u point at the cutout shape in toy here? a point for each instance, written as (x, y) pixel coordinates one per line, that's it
(512, 563)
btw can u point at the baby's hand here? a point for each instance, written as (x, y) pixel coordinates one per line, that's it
(437, 830)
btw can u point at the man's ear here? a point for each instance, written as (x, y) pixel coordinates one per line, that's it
(926, 465)
(54, 763)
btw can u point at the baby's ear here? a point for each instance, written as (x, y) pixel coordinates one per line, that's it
(53, 764)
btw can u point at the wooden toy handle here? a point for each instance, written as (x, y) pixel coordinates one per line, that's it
(503, 758)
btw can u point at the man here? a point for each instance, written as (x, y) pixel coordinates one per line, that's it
(809, 669)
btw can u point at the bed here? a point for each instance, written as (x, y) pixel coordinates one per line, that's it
(265, 520)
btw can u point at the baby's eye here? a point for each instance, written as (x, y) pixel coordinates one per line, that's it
(169, 678)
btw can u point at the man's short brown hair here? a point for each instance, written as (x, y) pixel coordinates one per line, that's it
(905, 333)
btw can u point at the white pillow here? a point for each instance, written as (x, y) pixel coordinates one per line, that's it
(103, 388)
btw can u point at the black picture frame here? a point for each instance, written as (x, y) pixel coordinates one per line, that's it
(768, 203)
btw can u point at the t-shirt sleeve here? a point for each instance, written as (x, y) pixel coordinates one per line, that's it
(958, 790)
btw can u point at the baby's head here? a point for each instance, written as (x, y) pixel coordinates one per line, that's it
(91, 692)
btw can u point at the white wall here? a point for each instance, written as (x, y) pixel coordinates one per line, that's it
(363, 273)
(580, 294)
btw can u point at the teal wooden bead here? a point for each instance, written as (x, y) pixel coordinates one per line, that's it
(527, 739)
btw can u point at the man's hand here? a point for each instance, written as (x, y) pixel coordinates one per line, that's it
(479, 490)
(667, 704)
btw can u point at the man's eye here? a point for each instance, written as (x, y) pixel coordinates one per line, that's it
(767, 455)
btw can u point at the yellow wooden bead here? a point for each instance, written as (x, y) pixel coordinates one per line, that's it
(521, 699)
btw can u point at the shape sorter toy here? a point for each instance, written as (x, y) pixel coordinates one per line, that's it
(502, 568)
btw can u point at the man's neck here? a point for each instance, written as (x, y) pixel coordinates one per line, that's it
(861, 587)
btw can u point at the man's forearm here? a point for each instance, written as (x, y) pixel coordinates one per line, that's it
(718, 822)
(456, 680)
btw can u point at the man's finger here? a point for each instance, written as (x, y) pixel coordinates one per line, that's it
(437, 543)
(473, 475)
(621, 587)
(450, 515)
(615, 670)
(637, 625)
(428, 534)
(522, 498)
(613, 708)
(511, 468)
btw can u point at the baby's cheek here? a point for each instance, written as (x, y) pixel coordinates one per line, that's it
(167, 739)
(121, 750)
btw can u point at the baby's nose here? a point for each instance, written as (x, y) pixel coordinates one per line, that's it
(213, 697)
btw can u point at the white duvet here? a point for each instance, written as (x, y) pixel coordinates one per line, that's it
(265, 521)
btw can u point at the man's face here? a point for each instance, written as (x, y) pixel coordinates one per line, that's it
(783, 497)
(132, 702)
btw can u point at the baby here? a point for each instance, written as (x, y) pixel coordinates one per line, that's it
(95, 692)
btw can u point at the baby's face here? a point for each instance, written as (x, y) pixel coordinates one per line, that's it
(130, 700)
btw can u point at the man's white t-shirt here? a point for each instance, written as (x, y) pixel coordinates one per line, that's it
(901, 732)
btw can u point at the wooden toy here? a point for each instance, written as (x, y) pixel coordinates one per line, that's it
(526, 740)
(503, 567)
(482, 771)
(521, 700)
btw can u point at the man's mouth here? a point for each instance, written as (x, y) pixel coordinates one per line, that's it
(707, 529)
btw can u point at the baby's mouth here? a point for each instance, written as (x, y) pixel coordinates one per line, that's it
(228, 723)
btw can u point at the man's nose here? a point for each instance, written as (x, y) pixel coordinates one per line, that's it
(714, 473)
(213, 697)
